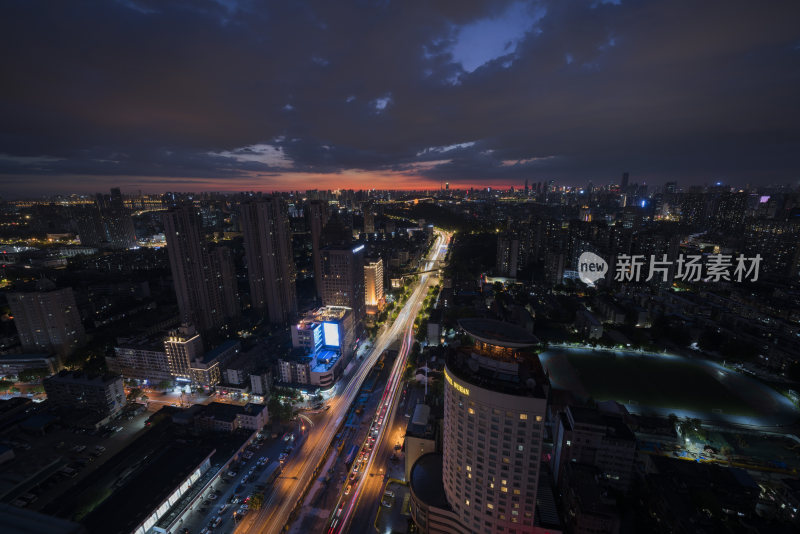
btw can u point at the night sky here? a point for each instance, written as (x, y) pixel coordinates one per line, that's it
(231, 95)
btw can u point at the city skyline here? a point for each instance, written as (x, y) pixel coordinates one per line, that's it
(419, 267)
(225, 96)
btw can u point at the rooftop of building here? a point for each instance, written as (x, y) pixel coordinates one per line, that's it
(498, 333)
(326, 359)
(426, 481)
(530, 379)
(330, 313)
(614, 426)
(418, 424)
(222, 411)
(139, 497)
(220, 349)
(83, 378)
(17, 520)
(142, 342)
(253, 409)
(25, 357)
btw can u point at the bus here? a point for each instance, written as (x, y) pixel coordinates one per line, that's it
(273, 471)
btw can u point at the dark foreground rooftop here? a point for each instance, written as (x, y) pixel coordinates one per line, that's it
(498, 333)
(426, 481)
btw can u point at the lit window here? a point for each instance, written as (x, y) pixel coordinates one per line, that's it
(466, 502)
(523, 416)
(471, 411)
(538, 418)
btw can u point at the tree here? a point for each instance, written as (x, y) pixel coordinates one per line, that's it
(134, 394)
(257, 501)
(31, 375)
(673, 420)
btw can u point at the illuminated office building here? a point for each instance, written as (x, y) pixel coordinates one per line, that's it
(495, 397)
(373, 285)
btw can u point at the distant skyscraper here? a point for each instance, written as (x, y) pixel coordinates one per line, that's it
(118, 221)
(89, 225)
(343, 278)
(526, 187)
(224, 271)
(204, 298)
(317, 213)
(369, 221)
(337, 231)
(373, 284)
(625, 178)
(507, 261)
(47, 320)
(270, 260)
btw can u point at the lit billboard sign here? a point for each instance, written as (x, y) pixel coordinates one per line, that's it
(330, 333)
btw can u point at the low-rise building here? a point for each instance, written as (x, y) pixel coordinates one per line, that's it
(588, 325)
(14, 364)
(102, 394)
(207, 371)
(420, 437)
(603, 440)
(141, 358)
(223, 417)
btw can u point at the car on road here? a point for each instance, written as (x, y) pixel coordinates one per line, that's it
(283, 457)
(213, 496)
(232, 473)
(348, 488)
(386, 501)
(388, 493)
(235, 499)
(339, 510)
(223, 508)
(217, 521)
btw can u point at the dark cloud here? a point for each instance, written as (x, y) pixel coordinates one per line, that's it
(683, 90)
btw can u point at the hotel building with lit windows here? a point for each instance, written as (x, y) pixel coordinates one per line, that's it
(495, 401)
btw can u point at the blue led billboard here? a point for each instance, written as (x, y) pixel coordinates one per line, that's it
(330, 333)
